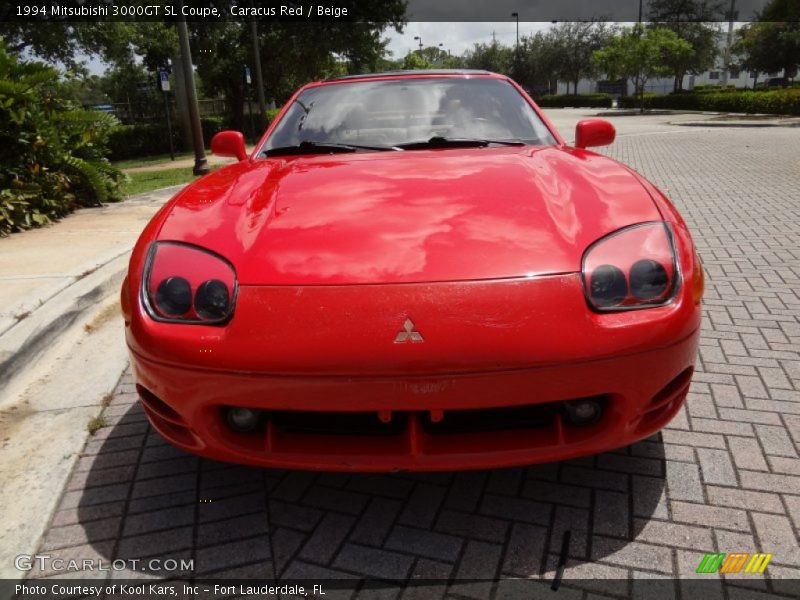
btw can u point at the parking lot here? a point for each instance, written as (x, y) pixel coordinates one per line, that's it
(724, 476)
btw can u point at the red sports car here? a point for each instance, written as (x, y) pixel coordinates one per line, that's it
(413, 271)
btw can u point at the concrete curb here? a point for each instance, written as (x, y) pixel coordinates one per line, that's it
(22, 343)
(738, 123)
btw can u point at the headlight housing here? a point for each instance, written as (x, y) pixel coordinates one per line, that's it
(630, 269)
(183, 283)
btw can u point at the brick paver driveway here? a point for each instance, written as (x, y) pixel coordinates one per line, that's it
(724, 476)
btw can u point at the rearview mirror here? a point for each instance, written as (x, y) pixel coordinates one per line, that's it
(229, 143)
(594, 132)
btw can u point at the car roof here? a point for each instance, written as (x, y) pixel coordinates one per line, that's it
(415, 73)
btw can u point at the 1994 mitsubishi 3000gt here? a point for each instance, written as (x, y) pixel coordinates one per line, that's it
(413, 271)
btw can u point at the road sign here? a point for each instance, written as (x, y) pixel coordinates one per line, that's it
(247, 77)
(163, 79)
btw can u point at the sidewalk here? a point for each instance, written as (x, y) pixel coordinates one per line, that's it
(180, 163)
(61, 353)
(37, 264)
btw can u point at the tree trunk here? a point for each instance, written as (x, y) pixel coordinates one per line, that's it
(181, 104)
(641, 96)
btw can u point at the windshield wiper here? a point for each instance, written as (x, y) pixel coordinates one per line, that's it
(438, 141)
(309, 147)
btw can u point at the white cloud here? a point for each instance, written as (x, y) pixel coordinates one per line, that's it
(457, 37)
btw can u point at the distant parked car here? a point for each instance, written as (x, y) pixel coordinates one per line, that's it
(108, 108)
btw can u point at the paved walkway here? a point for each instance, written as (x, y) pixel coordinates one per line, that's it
(724, 476)
(37, 264)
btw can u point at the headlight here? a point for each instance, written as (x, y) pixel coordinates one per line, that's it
(187, 284)
(631, 268)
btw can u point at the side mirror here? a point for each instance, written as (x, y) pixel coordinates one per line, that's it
(594, 132)
(229, 143)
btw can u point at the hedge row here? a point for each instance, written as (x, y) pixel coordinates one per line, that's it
(776, 102)
(575, 101)
(147, 139)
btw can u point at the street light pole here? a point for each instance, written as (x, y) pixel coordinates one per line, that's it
(516, 16)
(200, 162)
(727, 58)
(416, 37)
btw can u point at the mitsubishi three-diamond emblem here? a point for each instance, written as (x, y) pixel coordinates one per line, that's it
(408, 334)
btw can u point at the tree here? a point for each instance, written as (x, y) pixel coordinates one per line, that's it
(490, 57)
(575, 43)
(773, 42)
(536, 64)
(62, 41)
(641, 53)
(292, 53)
(51, 151)
(692, 21)
(415, 61)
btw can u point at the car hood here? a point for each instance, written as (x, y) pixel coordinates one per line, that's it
(402, 217)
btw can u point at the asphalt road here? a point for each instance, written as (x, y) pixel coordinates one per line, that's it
(723, 476)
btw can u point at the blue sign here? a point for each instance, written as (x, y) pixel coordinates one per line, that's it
(163, 79)
(247, 77)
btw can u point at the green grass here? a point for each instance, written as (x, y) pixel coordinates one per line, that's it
(148, 161)
(147, 181)
(96, 423)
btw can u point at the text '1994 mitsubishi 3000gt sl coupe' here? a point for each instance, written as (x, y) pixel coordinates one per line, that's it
(413, 271)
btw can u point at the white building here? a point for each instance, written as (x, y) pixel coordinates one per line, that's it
(736, 78)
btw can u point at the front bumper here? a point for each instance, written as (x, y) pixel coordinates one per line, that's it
(641, 393)
(340, 394)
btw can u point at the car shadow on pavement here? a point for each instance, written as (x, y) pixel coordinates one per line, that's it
(136, 498)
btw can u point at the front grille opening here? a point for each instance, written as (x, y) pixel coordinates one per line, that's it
(486, 420)
(337, 423)
(158, 406)
(675, 388)
(551, 416)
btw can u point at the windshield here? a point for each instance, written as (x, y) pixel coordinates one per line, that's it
(370, 115)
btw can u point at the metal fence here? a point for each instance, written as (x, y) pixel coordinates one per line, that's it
(151, 111)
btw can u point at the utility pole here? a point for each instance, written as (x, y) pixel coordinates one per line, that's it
(200, 162)
(727, 58)
(262, 103)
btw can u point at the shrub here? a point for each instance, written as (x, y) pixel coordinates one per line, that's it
(575, 101)
(211, 126)
(135, 141)
(774, 102)
(52, 153)
(148, 139)
(271, 114)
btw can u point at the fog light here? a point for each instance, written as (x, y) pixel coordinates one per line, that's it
(583, 412)
(243, 419)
